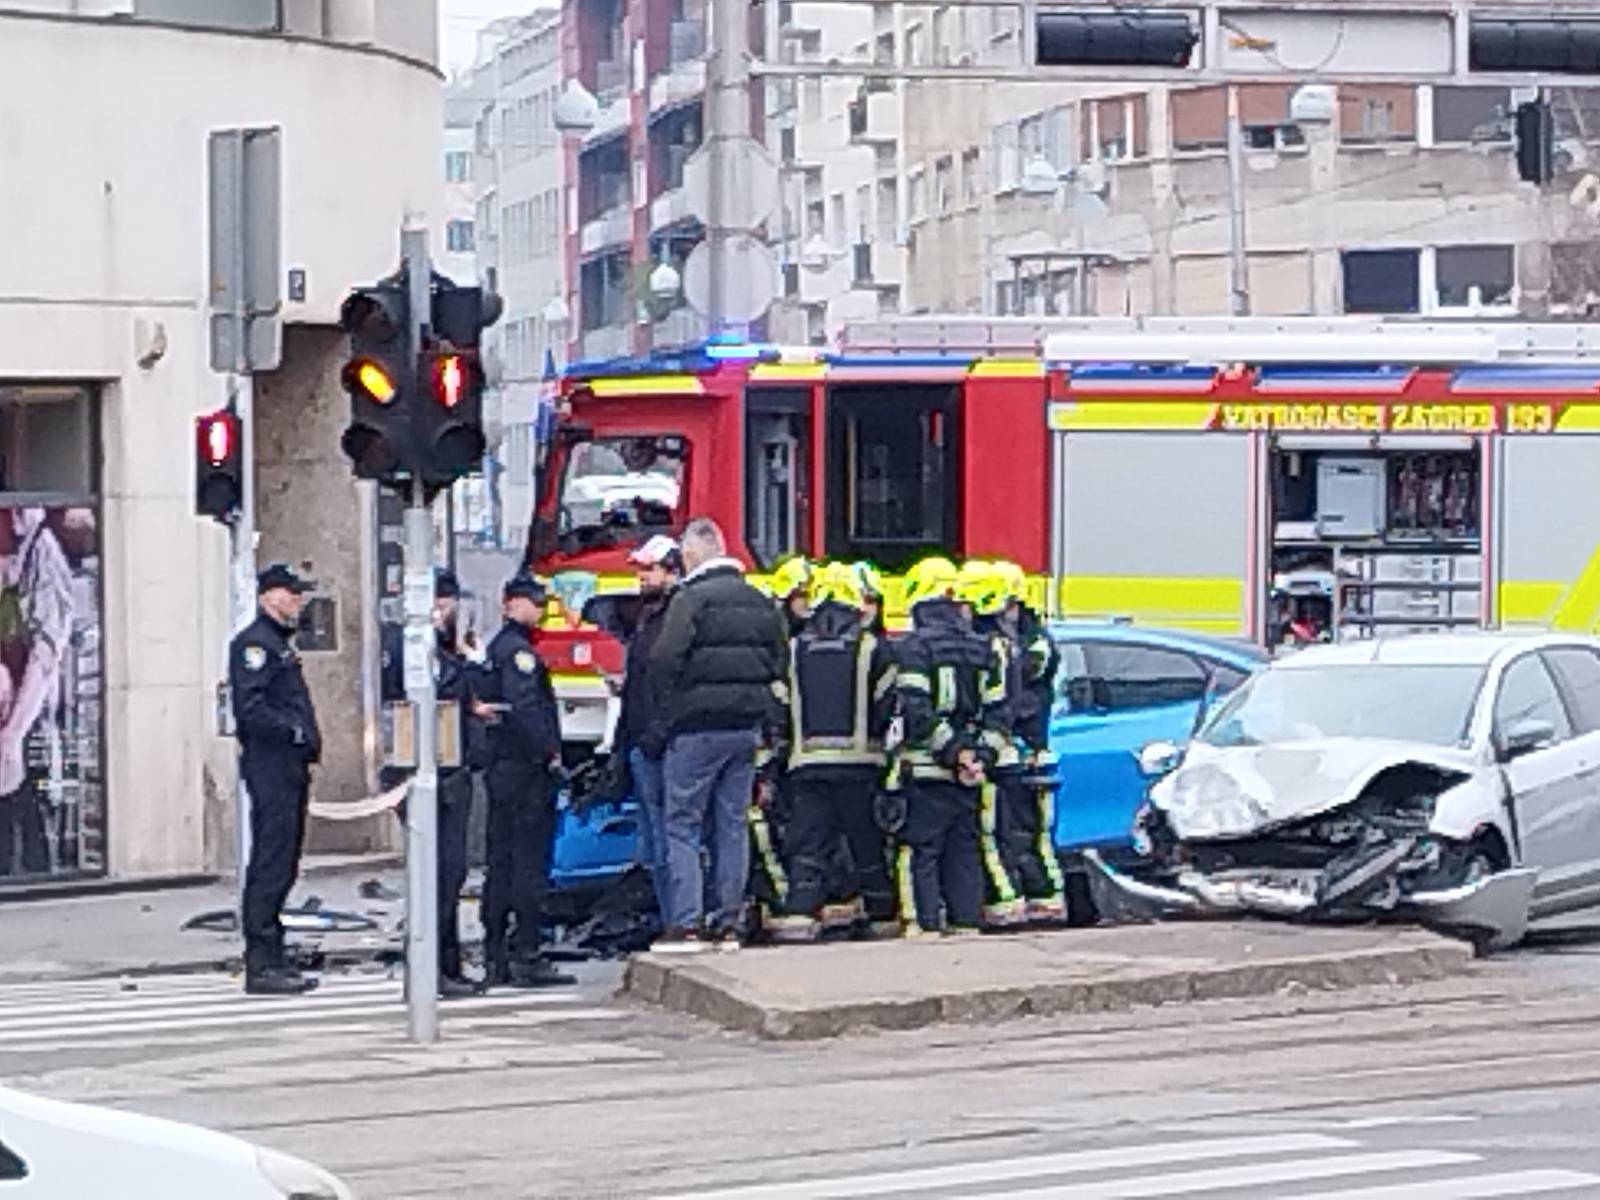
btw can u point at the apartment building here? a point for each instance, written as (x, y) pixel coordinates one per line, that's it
(519, 184)
(1045, 198)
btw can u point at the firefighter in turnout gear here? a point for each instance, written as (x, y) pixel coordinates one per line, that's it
(1027, 795)
(791, 584)
(839, 683)
(981, 593)
(939, 755)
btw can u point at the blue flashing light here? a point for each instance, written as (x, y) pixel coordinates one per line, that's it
(736, 351)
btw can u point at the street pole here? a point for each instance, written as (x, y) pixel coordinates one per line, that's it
(728, 123)
(241, 587)
(1239, 264)
(422, 808)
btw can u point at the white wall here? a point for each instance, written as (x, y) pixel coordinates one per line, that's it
(103, 211)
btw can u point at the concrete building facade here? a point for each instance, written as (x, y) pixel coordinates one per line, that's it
(103, 366)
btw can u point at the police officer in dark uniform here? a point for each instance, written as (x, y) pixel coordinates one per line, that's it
(278, 744)
(524, 749)
(452, 687)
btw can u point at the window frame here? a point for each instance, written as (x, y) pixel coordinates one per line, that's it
(1536, 658)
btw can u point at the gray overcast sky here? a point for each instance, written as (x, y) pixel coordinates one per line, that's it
(460, 20)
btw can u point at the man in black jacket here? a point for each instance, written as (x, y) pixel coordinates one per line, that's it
(718, 663)
(278, 743)
(641, 727)
(517, 700)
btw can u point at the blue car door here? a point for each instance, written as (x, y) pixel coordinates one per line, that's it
(1114, 698)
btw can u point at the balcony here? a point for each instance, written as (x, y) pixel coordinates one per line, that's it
(611, 120)
(681, 327)
(609, 341)
(613, 227)
(671, 207)
(875, 119)
(678, 84)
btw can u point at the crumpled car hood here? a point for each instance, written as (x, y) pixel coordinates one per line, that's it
(1240, 791)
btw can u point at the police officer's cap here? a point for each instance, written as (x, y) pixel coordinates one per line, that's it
(527, 585)
(445, 584)
(278, 575)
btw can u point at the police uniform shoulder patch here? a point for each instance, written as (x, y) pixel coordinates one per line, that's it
(255, 657)
(524, 660)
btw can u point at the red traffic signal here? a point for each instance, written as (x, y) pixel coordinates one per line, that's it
(451, 378)
(219, 465)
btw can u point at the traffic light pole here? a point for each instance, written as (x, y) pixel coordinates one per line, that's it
(242, 588)
(422, 803)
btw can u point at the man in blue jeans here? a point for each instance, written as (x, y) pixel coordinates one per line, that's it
(641, 727)
(718, 666)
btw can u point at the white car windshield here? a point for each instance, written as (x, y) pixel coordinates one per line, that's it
(1409, 703)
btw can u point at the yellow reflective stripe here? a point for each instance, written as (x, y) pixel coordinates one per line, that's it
(886, 683)
(647, 385)
(999, 880)
(908, 894)
(941, 737)
(765, 851)
(1184, 601)
(861, 730)
(1527, 603)
(1581, 606)
(812, 755)
(914, 681)
(1069, 415)
(781, 370)
(1008, 368)
(1046, 844)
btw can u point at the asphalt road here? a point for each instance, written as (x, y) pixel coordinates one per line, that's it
(1485, 1086)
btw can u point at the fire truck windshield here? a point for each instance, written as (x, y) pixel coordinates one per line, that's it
(614, 487)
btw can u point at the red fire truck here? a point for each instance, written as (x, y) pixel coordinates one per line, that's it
(1269, 479)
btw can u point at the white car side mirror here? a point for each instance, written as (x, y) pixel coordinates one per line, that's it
(1158, 759)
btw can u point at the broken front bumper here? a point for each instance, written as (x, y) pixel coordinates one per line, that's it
(1494, 908)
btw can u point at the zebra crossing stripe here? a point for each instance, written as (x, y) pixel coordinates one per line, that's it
(1251, 1176)
(1472, 1187)
(1076, 1162)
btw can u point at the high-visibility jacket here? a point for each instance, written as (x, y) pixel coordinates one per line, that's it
(949, 694)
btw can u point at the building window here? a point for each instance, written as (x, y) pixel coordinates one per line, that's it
(1471, 114)
(917, 181)
(971, 179)
(943, 185)
(1377, 113)
(53, 823)
(1475, 277)
(1007, 158)
(1381, 281)
(457, 166)
(458, 237)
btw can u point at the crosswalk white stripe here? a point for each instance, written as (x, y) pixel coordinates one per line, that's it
(1470, 1187)
(133, 1001)
(1037, 1166)
(129, 985)
(1252, 1176)
(136, 1007)
(293, 1011)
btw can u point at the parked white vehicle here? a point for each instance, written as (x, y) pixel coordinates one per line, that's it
(1454, 780)
(53, 1150)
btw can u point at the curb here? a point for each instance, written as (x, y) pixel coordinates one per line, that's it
(699, 989)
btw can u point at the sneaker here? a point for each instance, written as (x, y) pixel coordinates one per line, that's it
(278, 981)
(538, 973)
(679, 941)
(726, 940)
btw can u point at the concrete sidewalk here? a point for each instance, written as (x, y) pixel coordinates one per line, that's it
(807, 992)
(138, 932)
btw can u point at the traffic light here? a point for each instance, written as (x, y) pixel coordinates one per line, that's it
(1542, 44)
(449, 419)
(1536, 136)
(380, 380)
(218, 465)
(1109, 39)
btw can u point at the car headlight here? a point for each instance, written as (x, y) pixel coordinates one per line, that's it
(298, 1179)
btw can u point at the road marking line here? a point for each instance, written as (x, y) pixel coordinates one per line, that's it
(1252, 1176)
(287, 1014)
(999, 1170)
(134, 1001)
(1473, 1187)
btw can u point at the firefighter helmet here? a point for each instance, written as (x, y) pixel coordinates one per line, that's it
(835, 582)
(982, 586)
(1012, 578)
(930, 579)
(790, 576)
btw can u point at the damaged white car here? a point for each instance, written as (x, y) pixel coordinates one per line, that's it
(1453, 780)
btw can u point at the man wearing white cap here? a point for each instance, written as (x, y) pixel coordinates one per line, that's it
(642, 725)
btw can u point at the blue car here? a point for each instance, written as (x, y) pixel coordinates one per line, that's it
(1121, 687)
